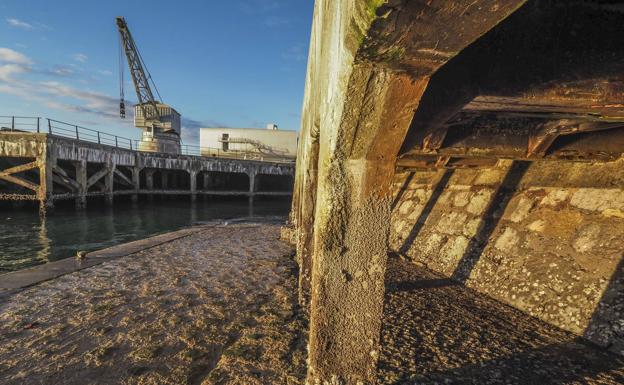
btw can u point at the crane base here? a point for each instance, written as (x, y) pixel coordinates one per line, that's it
(160, 142)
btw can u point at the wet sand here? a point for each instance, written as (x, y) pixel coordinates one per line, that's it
(216, 307)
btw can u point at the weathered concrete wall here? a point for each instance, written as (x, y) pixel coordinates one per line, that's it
(70, 149)
(32, 145)
(544, 237)
(22, 145)
(14, 144)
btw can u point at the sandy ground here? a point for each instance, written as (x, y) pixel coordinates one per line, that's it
(436, 332)
(217, 307)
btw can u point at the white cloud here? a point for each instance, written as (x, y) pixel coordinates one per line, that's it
(60, 70)
(59, 95)
(16, 90)
(52, 94)
(190, 129)
(7, 71)
(8, 55)
(105, 72)
(12, 63)
(91, 101)
(80, 57)
(19, 24)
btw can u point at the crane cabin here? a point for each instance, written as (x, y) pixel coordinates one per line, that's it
(162, 135)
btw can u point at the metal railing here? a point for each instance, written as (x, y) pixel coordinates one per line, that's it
(73, 131)
(63, 129)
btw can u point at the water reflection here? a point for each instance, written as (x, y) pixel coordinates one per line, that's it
(27, 240)
(44, 242)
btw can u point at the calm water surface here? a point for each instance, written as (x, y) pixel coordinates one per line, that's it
(25, 240)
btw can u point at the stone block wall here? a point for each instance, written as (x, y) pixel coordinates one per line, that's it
(544, 237)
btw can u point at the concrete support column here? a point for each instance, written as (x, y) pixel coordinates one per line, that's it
(149, 179)
(46, 184)
(252, 190)
(350, 253)
(164, 179)
(250, 206)
(352, 216)
(46, 189)
(252, 182)
(207, 181)
(174, 180)
(305, 220)
(136, 183)
(108, 184)
(193, 185)
(149, 184)
(81, 179)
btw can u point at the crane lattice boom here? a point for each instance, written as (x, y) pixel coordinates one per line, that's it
(141, 81)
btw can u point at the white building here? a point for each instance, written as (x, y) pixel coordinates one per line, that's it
(249, 143)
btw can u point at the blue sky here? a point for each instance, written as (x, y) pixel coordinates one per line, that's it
(237, 63)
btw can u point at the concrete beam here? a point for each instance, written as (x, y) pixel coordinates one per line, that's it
(123, 178)
(61, 177)
(527, 137)
(7, 175)
(20, 168)
(98, 175)
(67, 183)
(20, 182)
(556, 65)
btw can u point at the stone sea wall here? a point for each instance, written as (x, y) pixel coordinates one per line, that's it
(544, 237)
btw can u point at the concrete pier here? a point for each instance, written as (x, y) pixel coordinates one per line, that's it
(48, 168)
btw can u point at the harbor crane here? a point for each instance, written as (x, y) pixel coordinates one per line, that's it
(159, 122)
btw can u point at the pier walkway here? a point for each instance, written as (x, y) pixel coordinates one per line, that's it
(45, 164)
